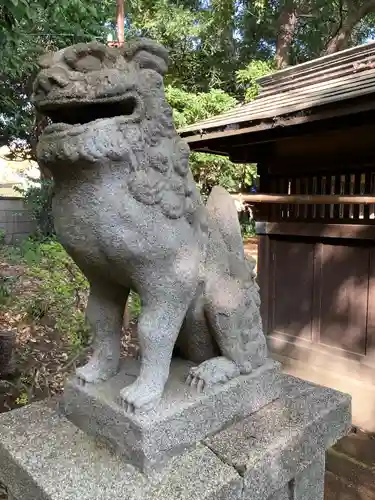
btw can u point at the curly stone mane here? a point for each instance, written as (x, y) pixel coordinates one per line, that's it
(161, 174)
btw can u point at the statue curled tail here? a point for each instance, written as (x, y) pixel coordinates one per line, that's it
(227, 304)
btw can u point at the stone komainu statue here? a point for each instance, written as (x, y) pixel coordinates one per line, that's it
(127, 210)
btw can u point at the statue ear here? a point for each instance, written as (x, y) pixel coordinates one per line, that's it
(148, 54)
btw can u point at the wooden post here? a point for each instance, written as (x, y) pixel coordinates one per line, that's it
(120, 21)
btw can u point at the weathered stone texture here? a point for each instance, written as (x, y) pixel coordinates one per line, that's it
(276, 452)
(127, 210)
(182, 418)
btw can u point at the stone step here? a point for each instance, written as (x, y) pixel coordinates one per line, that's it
(336, 488)
(353, 471)
(352, 464)
(360, 446)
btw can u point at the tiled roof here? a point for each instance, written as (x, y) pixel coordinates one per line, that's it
(300, 89)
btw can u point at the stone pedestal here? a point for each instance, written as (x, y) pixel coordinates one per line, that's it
(182, 418)
(276, 453)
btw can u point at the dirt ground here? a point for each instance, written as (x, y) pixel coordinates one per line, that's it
(42, 357)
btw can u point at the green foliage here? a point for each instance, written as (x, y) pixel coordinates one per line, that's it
(247, 226)
(29, 28)
(218, 49)
(5, 290)
(247, 77)
(199, 37)
(61, 294)
(209, 170)
(189, 107)
(22, 399)
(38, 197)
(134, 304)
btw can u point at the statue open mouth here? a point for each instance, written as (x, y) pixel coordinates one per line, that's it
(72, 113)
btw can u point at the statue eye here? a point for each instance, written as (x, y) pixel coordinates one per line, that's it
(88, 63)
(85, 58)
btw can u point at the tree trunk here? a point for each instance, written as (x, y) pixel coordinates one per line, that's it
(341, 38)
(287, 25)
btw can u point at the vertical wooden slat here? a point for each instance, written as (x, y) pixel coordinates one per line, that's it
(314, 191)
(347, 191)
(309, 190)
(318, 191)
(289, 207)
(323, 190)
(337, 187)
(372, 191)
(283, 190)
(351, 191)
(362, 192)
(342, 191)
(264, 210)
(305, 190)
(275, 209)
(293, 207)
(298, 191)
(367, 190)
(263, 279)
(316, 293)
(357, 190)
(330, 190)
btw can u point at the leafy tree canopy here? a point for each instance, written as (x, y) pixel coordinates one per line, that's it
(218, 49)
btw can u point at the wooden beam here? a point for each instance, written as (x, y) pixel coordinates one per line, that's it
(305, 199)
(315, 229)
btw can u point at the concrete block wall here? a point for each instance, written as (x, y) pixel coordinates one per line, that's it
(16, 220)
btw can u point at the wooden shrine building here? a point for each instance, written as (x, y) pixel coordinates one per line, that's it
(311, 132)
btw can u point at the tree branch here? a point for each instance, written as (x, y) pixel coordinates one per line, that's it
(341, 38)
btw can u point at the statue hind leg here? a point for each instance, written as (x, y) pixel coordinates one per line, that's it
(232, 310)
(231, 298)
(195, 341)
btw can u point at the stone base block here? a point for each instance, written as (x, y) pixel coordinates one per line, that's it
(274, 454)
(183, 417)
(306, 485)
(43, 456)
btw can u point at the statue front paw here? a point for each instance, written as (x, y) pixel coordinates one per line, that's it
(141, 395)
(213, 371)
